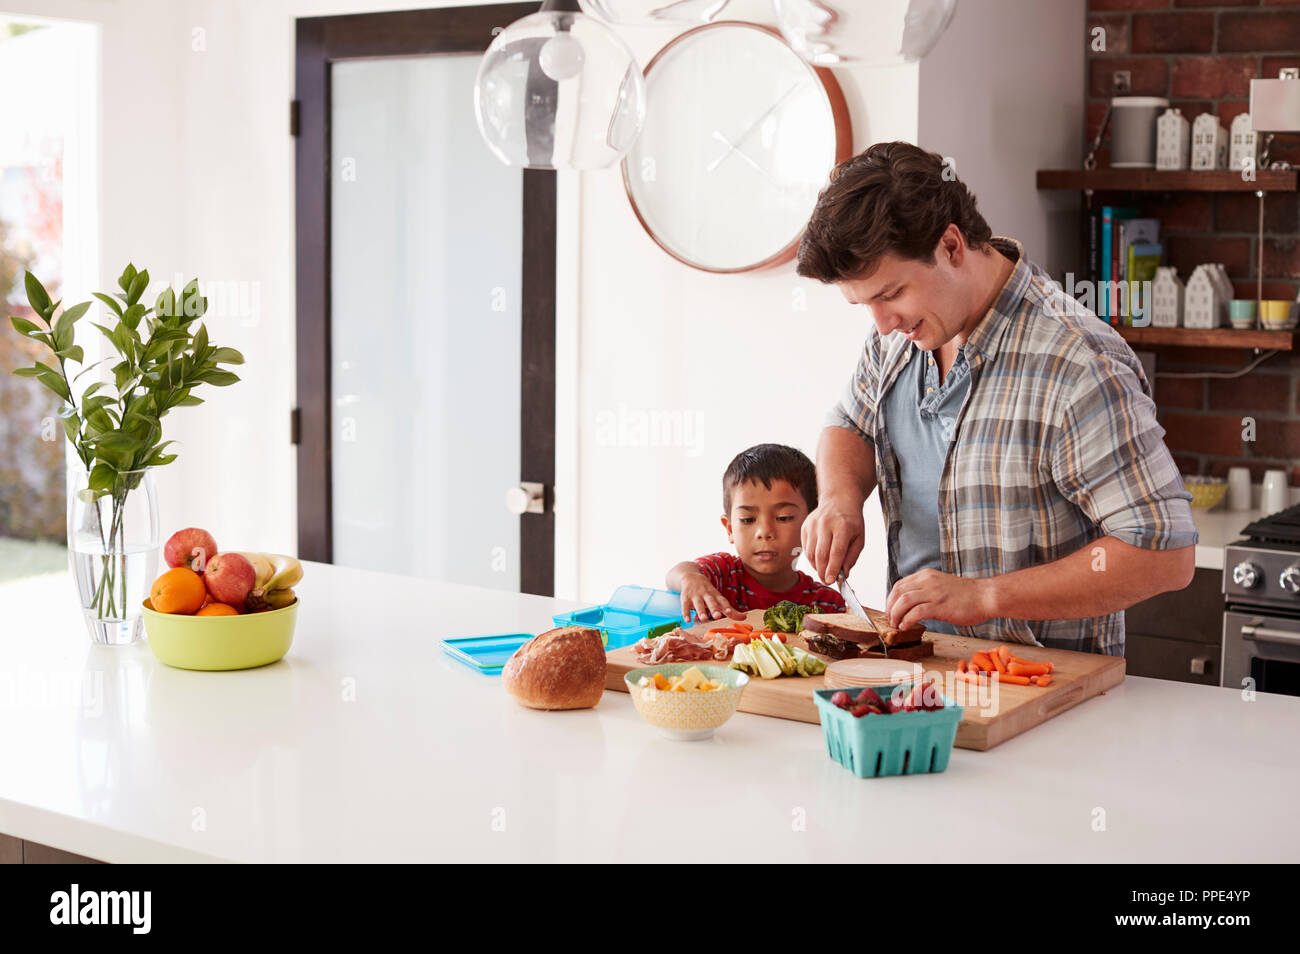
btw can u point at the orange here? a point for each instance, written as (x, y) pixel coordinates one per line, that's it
(212, 608)
(179, 590)
(217, 609)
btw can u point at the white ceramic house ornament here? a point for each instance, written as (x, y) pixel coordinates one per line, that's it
(1243, 144)
(1209, 143)
(1203, 300)
(1220, 274)
(1173, 140)
(1166, 297)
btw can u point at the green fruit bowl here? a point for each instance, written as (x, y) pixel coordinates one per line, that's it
(216, 643)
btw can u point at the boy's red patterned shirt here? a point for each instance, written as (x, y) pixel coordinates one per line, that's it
(727, 573)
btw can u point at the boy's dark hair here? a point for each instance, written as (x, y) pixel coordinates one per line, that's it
(895, 197)
(768, 462)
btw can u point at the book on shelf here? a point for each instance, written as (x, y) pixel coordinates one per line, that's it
(1110, 216)
(1126, 232)
(1143, 259)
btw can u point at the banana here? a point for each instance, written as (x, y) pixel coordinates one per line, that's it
(270, 600)
(277, 599)
(263, 570)
(288, 572)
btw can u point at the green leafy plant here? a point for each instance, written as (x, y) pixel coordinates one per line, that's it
(116, 429)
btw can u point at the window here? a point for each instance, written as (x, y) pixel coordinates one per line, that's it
(47, 225)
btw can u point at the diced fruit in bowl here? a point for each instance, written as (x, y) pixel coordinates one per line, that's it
(190, 547)
(229, 578)
(691, 711)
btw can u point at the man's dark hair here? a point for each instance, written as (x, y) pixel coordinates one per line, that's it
(768, 462)
(895, 197)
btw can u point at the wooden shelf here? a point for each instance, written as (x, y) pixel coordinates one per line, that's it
(1210, 338)
(1153, 180)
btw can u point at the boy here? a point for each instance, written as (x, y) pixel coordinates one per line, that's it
(767, 492)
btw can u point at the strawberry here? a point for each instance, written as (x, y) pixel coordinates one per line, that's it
(872, 698)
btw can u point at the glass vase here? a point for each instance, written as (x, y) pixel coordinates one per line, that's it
(113, 550)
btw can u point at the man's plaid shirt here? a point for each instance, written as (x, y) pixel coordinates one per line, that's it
(1056, 445)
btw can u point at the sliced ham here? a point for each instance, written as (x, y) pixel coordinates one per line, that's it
(681, 646)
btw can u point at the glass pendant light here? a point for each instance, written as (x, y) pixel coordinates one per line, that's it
(559, 90)
(637, 12)
(882, 32)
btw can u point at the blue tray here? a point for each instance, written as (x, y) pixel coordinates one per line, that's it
(631, 613)
(487, 654)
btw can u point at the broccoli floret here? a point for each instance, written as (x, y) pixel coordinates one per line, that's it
(785, 616)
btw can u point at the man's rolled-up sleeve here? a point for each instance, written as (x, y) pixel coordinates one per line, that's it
(856, 408)
(1111, 461)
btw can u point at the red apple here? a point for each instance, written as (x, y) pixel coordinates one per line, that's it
(190, 547)
(230, 578)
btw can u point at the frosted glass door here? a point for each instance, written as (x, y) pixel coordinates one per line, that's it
(425, 259)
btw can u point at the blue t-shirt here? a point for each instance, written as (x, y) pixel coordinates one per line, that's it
(921, 415)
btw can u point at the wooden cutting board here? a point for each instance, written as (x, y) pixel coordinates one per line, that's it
(987, 720)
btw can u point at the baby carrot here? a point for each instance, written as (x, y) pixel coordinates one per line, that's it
(1004, 654)
(1014, 680)
(998, 664)
(982, 661)
(1030, 669)
(961, 665)
(745, 626)
(1031, 662)
(1045, 680)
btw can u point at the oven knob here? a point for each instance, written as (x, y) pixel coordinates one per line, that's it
(1290, 579)
(1245, 574)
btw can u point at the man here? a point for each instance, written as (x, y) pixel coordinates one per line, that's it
(1027, 491)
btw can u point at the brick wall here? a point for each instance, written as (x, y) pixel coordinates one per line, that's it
(1202, 55)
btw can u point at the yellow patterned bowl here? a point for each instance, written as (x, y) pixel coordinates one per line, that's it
(687, 715)
(1206, 492)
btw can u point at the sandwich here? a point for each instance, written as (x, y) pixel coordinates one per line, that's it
(841, 634)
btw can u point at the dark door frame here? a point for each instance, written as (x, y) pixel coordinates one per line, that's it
(322, 41)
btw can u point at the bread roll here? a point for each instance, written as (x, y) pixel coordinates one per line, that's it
(560, 669)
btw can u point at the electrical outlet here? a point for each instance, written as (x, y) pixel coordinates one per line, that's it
(1121, 81)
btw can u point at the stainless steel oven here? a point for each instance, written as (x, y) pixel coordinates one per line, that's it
(1261, 620)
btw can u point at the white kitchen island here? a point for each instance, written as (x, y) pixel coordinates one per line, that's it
(367, 743)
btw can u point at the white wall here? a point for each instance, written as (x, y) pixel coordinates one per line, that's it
(1002, 94)
(198, 177)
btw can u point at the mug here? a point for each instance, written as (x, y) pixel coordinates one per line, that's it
(1238, 488)
(1241, 312)
(1273, 496)
(1275, 310)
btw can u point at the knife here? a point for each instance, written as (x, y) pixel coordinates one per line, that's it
(855, 607)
